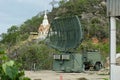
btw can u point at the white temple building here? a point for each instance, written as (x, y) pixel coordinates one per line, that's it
(44, 28)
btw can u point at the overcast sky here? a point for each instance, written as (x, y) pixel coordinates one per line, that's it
(15, 12)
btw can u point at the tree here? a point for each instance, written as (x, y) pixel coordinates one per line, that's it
(53, 3)
(13, 29)
(31, 25)
(10, 38)
(38, 54)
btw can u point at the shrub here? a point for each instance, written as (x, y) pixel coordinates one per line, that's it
(9, 70)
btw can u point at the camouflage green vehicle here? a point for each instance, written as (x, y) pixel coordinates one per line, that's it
(92, 60)
(65, 35)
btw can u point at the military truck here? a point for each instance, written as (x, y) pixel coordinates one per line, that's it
(77, 62)
(65, 35)
(92, 59)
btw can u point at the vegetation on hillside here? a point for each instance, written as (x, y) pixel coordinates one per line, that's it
(34, 56)
(92, 14)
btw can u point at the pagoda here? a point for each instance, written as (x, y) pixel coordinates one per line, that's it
(44, 28)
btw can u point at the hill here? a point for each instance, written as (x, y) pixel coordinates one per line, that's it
(95, 24)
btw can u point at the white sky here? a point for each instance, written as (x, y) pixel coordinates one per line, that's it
(15, 12)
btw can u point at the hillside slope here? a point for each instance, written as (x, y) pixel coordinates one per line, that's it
(92, 14)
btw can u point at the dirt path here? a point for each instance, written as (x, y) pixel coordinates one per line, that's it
(51, 75)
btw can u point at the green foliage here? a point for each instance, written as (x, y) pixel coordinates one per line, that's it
(118, 31)
(93, 26)
(10, 38)
(37, 56)
(105, 79)
(102, 47)
(3, 57)
(9, 70)
(24, 37)
(61, 3)
(2, 51)
(31, 25)
(13, 29)
(76, 7)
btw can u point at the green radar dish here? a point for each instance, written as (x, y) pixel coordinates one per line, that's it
(65, 34)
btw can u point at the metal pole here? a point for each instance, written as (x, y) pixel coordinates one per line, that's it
(112, 46)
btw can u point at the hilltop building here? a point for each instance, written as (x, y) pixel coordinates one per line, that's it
(42, 31)
(44, 28)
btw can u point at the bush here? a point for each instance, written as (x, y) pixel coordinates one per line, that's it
(9, 70)
(35, 56)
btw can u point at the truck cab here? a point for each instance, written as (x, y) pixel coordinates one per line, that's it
(92, 59)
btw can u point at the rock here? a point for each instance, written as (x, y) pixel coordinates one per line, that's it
(103, 3)
(104, 72)
(118, 61)
(107, 63)
(86, 15)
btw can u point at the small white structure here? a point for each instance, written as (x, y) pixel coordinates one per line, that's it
(117, 55)
(44, 28)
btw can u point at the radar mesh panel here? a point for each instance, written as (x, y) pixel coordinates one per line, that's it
(65, 33)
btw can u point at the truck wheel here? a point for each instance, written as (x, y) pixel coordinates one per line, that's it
(97, 66)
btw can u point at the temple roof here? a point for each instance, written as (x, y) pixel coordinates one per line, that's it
(45, 21)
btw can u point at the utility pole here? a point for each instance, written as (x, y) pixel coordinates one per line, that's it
(113, 11)
(112, 46)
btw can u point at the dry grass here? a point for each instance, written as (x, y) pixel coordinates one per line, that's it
(82, 78)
